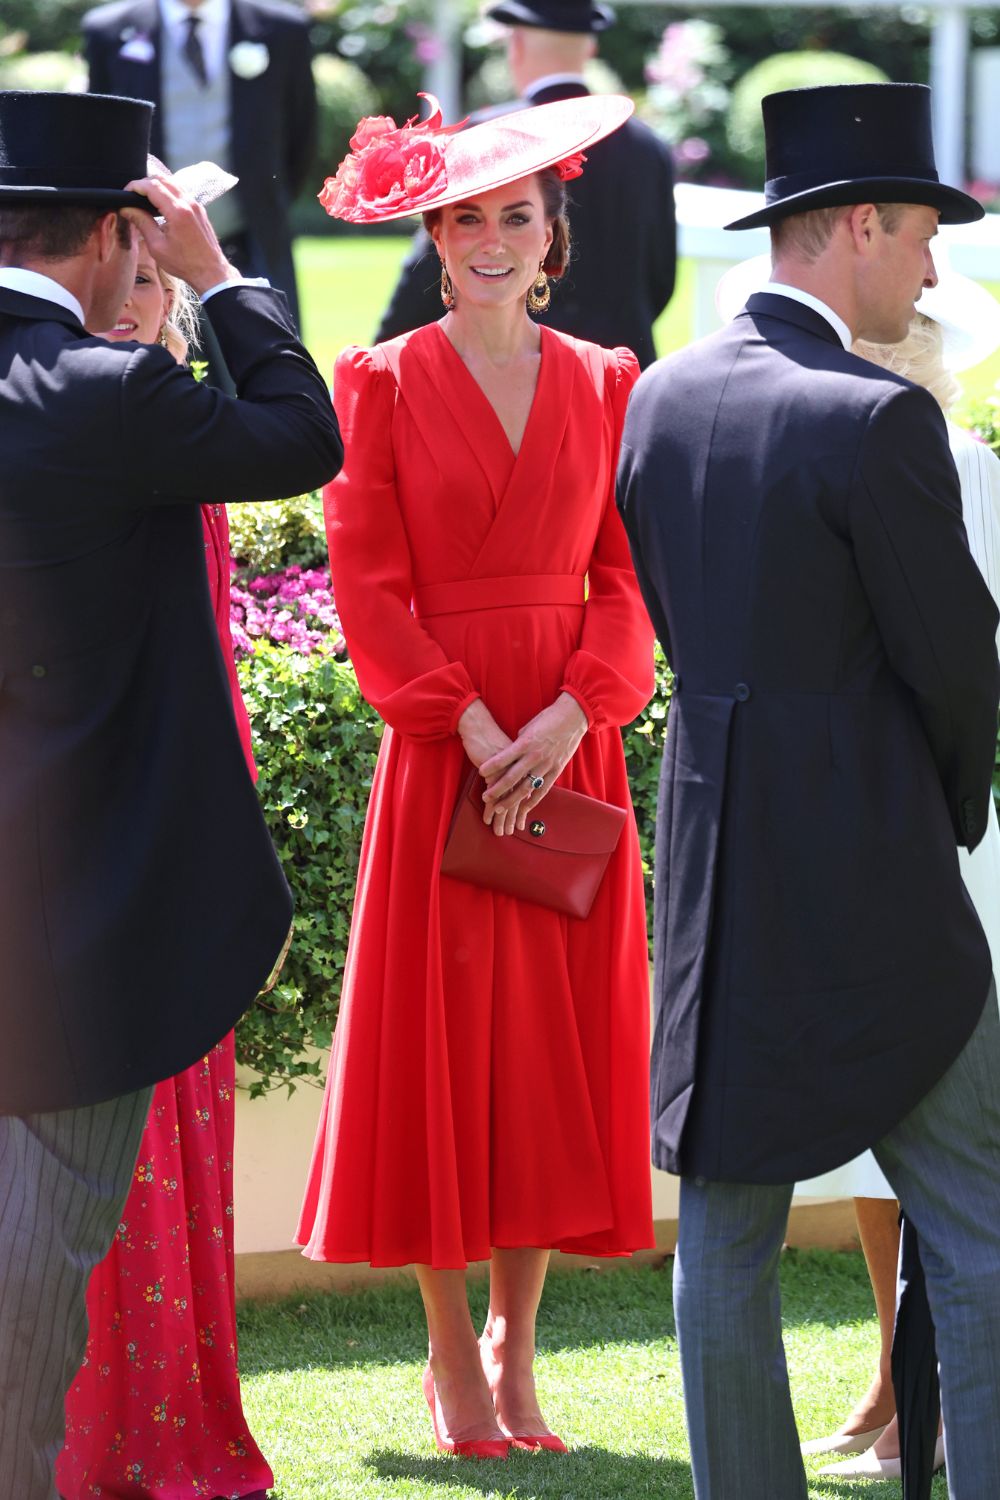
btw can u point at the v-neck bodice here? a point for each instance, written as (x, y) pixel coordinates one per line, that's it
(473, 508)
(483, 398)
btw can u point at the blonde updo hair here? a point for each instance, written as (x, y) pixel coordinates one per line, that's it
(180, 327)
(919, 357)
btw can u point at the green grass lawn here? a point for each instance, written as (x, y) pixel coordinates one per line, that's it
(332, 1388)
(345, 284)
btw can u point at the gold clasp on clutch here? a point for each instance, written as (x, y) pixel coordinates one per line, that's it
(537, 828)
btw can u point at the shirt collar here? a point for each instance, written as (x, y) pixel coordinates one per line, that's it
(34, 284)
(212, 12)
(551, 80)
(840, 328)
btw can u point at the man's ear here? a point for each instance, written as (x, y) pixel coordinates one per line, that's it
(106, 232)
(862, 222)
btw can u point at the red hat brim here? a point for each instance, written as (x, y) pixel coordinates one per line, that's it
(507, 148)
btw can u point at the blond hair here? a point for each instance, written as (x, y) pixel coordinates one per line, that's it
(180, 326)
(919, 357)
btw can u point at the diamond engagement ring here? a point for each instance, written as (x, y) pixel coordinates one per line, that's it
(537, 782)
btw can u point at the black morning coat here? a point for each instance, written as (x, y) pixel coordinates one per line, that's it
(141, 903)
(796, 524)
(621, 216)
(273, 113)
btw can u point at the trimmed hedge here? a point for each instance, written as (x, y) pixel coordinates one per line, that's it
(315, 743)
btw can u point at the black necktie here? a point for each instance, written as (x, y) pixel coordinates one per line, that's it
(194, 53)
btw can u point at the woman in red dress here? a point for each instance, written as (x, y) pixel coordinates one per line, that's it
(155, 1411)
(487, 1091)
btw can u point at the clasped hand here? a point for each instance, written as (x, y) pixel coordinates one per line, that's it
(543, 748)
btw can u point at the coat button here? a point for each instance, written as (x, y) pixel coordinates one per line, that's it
(38, 671)
(741, 692)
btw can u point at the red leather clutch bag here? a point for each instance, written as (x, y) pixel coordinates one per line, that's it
(558, 860)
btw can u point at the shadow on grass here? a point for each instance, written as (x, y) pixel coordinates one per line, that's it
(623, 1304)
(592, 1472)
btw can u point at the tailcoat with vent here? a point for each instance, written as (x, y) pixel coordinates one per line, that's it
(796, 523)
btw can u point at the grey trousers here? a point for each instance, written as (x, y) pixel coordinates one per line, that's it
(943, 1161)
(64, 1178)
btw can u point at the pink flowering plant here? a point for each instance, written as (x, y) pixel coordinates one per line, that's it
(688, 92)
(292, 607)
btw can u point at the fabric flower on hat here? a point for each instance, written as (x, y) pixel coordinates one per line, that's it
(371, 129)
(390, 167)
(571, 167)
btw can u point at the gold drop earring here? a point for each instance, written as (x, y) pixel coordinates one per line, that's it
(540, 294)
(447, 290)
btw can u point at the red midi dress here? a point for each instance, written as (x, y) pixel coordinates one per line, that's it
(155, 1411)
(488, 1082)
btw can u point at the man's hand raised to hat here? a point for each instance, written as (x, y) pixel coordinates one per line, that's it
(185, 244)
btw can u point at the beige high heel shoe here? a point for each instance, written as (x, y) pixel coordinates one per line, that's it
(838, 1442)
(870, 1466)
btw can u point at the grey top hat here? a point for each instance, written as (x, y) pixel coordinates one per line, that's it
(852, 143)
(72, 148)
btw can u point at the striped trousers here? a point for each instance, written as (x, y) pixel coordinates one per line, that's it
(64, 1178)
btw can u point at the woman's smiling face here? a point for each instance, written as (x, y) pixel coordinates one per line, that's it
(147, 306)
(494, 244)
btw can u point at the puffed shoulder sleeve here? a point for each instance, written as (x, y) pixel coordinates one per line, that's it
(402, 671)
(611, 674)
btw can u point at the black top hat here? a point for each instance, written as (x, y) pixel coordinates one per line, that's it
(72, 148)
(852, 143)
(553, 15)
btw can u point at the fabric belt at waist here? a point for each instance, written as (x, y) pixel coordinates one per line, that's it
(470, 594)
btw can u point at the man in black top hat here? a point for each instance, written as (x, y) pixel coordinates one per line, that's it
(823, 984)
(621, 212)
(141, 903)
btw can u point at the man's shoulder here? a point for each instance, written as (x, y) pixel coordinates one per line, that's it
(828, 375)
(636, 135)
(116, 13)
(278, 13)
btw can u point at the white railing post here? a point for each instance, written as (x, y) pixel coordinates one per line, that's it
(949, 62)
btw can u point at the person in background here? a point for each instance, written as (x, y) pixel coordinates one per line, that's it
(621, 276)
(156, 1405)
(232, 81)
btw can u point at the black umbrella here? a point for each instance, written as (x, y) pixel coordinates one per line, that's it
(915, 1371)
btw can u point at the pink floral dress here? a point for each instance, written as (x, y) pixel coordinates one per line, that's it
(155, 1412)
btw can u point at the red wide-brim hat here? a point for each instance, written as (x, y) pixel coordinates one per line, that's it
(395, 171)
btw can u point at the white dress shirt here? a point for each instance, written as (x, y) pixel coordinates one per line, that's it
(840, 328)
(34, 284)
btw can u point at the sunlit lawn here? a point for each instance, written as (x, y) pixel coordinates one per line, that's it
(345, 284)
(331, 1386)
